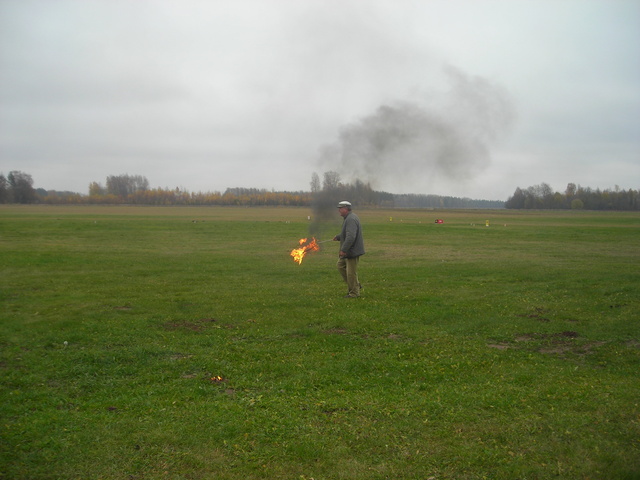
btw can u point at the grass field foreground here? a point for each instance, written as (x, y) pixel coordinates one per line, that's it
(185, 343)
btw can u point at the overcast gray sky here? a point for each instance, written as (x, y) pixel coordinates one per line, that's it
(454, 97)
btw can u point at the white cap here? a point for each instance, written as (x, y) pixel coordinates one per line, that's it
(344, 204)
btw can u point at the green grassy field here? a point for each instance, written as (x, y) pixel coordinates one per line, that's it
(185, 343)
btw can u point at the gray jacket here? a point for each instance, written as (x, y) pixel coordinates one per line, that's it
(351, 241)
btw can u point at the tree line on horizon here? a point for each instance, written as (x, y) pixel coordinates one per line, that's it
(575, 197)
(134, 190)
(17, 187)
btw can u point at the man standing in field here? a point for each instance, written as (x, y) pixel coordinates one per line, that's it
(351, 249)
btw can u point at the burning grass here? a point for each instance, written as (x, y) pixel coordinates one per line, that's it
(306, 246)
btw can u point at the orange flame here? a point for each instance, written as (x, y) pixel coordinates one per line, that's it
(299, 253)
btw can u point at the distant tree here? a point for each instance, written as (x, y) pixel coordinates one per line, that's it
(315, 183)
(558, 201)
(570, 191)
(331, 181)
(141, 183)
(517, 200)
(21, 185)
(125, 185)
(95, 189)
(546, 195)
(4, 189)
(117, 185)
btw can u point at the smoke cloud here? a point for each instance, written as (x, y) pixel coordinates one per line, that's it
(444, 135)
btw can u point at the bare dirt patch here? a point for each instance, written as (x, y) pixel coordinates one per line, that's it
(195, 325)
(336, 331)
(537, 314)
(559, 343)
(499, 346)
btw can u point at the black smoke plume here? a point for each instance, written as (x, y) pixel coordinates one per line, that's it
(442, 136)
